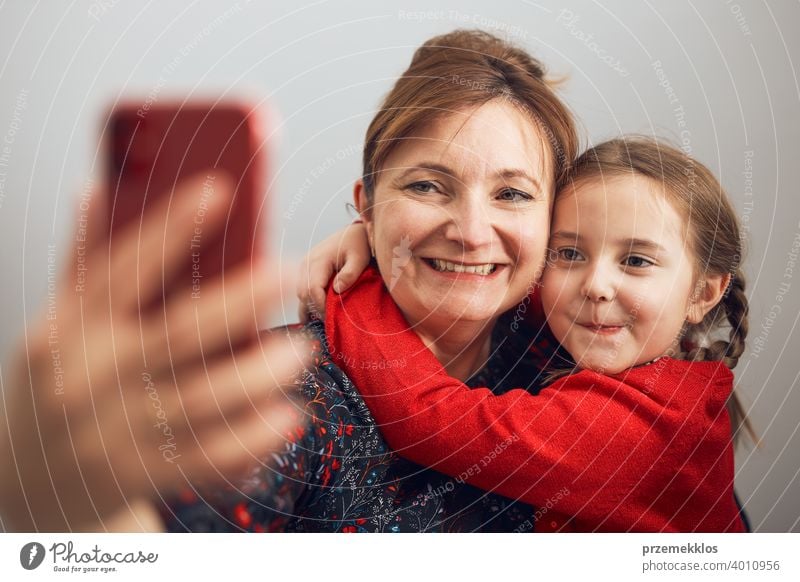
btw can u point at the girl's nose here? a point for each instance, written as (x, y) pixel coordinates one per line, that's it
(600, 283)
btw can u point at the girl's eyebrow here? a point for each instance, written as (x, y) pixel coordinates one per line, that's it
(642, 243)
(566, 234)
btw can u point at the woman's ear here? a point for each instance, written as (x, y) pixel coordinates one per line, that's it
(363, 206)
(708, 293)
(360, 198)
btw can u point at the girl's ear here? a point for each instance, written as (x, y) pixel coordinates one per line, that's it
(708, 293)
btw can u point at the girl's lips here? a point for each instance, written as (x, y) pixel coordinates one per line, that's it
(603, 329)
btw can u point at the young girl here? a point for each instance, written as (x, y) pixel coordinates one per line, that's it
(643, 268)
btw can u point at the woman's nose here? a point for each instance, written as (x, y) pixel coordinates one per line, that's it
(600, 283)
(470, 225)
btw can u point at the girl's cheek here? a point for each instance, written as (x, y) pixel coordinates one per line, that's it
(552, 278)
(551, 291)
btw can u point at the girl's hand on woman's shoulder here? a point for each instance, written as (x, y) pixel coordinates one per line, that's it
(343, 256)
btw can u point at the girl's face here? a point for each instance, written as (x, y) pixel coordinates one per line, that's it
(619, 279)
(461, 215)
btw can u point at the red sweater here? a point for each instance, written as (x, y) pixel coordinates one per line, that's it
(646, 450)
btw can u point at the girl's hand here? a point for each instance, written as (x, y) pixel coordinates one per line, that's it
(109, 405)
(345, 254)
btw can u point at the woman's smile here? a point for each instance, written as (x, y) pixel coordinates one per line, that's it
(465, 270)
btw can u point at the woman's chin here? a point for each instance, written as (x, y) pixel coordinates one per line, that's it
(440, 316)
(474, 307)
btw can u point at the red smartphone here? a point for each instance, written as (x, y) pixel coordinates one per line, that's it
(150, 149)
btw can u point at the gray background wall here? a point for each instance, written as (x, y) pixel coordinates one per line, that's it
(719, 76)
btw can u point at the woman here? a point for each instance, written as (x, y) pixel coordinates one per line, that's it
(460, 165)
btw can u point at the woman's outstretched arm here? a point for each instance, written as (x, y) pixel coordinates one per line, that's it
(108, 406)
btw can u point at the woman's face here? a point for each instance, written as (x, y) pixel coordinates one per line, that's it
(460, 218)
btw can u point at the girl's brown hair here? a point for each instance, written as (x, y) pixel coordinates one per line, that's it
(467, 68)
(714, 237)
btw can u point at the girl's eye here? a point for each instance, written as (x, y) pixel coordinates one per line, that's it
(569, 254)
(637, 262)
(514, 195)
(423, 187)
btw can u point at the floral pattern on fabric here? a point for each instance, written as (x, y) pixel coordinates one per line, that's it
(336, 473)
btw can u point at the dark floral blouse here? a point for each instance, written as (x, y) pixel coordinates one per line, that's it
(337, 474)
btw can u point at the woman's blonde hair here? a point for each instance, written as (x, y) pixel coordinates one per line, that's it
(467, 68)
(714, 238)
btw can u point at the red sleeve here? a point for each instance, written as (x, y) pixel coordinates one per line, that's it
(604, 447)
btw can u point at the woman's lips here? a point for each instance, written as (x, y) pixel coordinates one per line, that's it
(459, 270)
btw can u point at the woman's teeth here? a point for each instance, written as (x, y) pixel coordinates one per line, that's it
(441, 265)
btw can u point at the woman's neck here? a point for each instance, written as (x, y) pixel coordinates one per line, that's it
(463, 348)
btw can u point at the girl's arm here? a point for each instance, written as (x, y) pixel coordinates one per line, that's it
(612, 445)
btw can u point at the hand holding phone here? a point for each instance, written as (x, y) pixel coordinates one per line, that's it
(133, 407)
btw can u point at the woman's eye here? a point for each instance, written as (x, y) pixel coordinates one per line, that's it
(513, 195)
(638, 262)
(423, 187)
(569, 254)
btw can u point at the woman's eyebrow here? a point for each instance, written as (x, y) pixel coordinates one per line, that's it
(510, 173)
(506, 174)
(430, 166)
